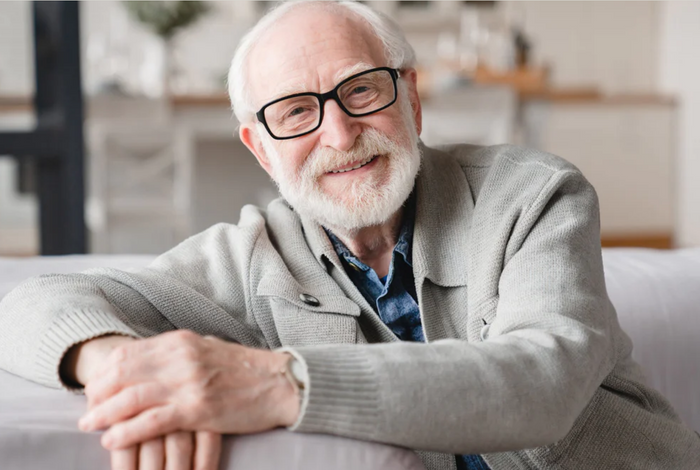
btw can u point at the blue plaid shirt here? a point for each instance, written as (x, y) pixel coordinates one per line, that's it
(393, 297)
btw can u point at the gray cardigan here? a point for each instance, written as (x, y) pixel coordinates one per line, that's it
(504, 236)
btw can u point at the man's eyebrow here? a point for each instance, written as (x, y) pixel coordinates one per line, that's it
(340, 75)
(290, 90)
(346, 72)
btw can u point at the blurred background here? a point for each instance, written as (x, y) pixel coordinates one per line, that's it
(614, 87)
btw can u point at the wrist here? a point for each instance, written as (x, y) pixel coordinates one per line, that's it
(82, 361)
(291, 388)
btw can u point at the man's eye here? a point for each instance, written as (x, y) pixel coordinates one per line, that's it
(296, 111)
(360, 89)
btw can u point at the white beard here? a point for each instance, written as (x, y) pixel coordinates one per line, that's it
(364, 202)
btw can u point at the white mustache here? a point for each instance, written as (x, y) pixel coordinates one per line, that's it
(323, 160)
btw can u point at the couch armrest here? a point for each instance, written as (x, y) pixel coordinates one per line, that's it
(38, 430)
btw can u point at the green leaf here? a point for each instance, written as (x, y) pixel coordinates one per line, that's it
(166, 18)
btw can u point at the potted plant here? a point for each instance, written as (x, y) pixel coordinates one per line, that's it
(166, 19)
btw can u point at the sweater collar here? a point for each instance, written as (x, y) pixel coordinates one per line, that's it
(444, 208)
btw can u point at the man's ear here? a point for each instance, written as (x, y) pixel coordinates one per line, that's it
(411, 77)
(249, 136)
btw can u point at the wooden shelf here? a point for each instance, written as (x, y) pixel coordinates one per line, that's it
(14, 104)
(219, 99)
(521, 79)
(663, 241)
(594, 96)
(568, 95)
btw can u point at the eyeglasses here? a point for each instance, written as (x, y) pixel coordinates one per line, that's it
(359, 95)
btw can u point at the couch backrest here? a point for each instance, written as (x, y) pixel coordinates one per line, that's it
(657, 298)
(15, 270)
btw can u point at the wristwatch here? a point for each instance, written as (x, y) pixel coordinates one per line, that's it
(297, 374)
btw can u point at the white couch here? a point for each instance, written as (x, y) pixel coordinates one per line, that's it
(656, 293)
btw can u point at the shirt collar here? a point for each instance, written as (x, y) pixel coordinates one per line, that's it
(403, 245)
(343, 251)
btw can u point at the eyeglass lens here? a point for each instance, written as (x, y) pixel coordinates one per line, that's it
(360, 95)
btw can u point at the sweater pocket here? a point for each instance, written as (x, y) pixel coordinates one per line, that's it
(301, 327)
(305, 317)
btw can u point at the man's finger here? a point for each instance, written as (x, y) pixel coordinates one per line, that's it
(118, 375)
(132, 363)
(148, 425)
(124, 405)
(207, 451)
(125, 459)
(179, 450)
(101, 388)
(152, 455)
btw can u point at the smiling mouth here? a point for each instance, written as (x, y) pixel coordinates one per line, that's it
(358, 166)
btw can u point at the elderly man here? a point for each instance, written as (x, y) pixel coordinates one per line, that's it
(459, 310)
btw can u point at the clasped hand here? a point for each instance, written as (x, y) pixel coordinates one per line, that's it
(180, 381)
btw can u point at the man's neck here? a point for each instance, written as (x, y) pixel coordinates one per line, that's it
(374, 245)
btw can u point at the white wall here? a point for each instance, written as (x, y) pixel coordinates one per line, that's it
(612, 45)
(680, 74)
(627, 153)
(16, 43)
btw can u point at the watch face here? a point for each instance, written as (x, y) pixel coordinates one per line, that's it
(299, 372)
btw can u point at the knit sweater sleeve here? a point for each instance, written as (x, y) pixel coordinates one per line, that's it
(45, 316)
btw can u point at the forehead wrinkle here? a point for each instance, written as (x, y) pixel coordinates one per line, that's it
(292, 89)
(340, 75)
(350, 70)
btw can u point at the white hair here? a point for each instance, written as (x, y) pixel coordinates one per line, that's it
(397, 51)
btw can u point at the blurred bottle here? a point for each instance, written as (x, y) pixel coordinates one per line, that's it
(471, 38)
(499, 48)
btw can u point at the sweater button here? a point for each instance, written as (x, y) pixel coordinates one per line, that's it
(309, 300)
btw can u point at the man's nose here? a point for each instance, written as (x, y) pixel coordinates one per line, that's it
(338, 130)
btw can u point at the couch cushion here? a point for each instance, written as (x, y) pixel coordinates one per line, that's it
(38, 431)
(657, 298)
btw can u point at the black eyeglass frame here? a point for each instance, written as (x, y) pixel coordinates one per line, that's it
(331, 95)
